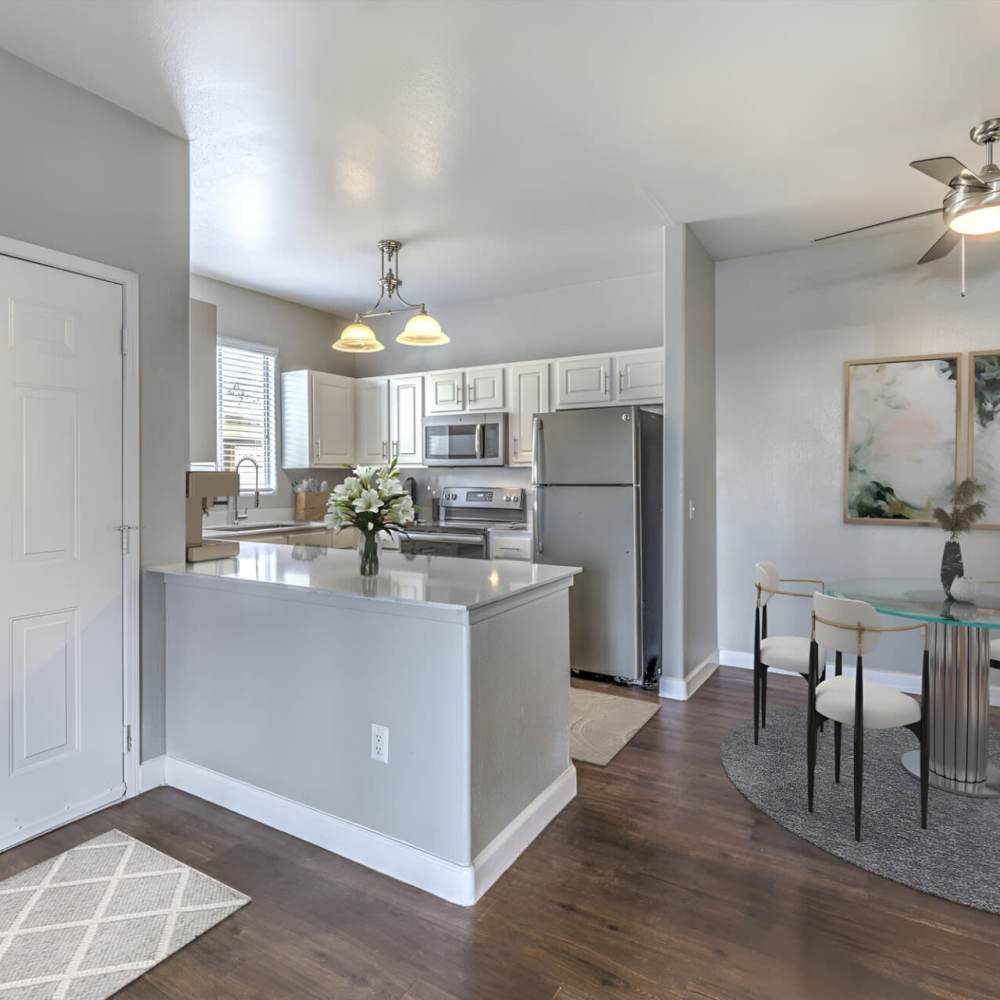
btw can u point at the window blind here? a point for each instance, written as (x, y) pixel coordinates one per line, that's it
(246, 412)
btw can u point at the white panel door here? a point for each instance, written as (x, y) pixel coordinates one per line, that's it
(484, 388)
(331, 398)
(444, 392)
(61, 581)
(372, 421)
(406, 407)
(640, 376)
(529, 391)
(583, 380)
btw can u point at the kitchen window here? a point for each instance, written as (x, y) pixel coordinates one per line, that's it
(245, 381)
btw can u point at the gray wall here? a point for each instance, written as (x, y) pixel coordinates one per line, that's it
(614, 315)
(202, 384)
(83, 176)
(302, 336)
(786, 324)
(689, 545)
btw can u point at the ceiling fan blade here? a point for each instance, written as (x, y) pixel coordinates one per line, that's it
(875, 225)
(947, 169)
(944, 246)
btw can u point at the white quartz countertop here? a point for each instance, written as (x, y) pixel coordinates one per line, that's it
(414, 584)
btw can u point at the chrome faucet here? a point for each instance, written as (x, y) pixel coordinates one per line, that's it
(232, 506)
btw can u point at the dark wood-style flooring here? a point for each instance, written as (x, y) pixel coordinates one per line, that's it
(659, 881)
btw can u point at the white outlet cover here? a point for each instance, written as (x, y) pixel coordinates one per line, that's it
(380, 743)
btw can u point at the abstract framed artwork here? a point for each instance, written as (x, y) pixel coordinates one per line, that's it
(901, 433)
(984, 430)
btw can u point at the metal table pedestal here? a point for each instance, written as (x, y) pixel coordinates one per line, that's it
(958, 716)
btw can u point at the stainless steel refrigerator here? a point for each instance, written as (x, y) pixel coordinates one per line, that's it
(598, 478)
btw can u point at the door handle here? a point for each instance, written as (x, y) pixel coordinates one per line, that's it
(605, 377)
(621, 381)
(472, 393)
(385, 448)
(125, 529)
(479, 440)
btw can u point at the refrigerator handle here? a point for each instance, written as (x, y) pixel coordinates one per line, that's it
(536, 451)
(539, 545)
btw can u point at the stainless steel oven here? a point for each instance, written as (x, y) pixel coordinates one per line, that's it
(466, 439)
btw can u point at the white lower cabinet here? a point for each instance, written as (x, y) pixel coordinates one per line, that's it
(529, 394)
(639, 377)
(406, 408)
(372, 421)
(583, 380)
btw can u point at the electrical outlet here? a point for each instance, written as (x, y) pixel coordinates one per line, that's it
(380, 743)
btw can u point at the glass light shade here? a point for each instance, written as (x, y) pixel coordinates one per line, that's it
(423, 331)
(977, 221)
(358, 338)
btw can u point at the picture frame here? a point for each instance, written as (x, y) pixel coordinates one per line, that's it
(983, 432)
(902, 433)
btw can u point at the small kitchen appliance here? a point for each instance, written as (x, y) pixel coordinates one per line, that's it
(459, 439)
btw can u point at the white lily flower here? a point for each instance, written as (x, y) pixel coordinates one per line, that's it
(369, 500)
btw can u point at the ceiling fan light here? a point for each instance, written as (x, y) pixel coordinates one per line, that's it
(423, 331)
(357, 338)
(977, 221)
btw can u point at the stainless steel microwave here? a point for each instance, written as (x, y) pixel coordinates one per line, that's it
(466, 439)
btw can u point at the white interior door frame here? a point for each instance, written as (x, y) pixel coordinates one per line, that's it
(131, 563)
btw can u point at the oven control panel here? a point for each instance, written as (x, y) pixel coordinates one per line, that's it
(495, 497)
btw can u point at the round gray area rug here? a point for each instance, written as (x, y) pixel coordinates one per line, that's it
(957, 856)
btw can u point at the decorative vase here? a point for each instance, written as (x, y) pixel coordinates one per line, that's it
(964, 590)
(951, 565)
(368, 550)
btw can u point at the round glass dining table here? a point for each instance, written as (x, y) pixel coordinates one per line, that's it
(958, 637)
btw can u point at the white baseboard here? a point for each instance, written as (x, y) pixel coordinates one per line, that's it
(462, 884)
(152, 773)
(679, 689)
(910, 683)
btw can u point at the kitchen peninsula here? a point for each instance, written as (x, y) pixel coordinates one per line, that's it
(283, 664)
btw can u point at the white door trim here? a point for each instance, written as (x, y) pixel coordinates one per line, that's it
(129, 281)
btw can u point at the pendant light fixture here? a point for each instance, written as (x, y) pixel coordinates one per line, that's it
(421, 330)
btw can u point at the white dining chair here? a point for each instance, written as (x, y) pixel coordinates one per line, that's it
(786, 652)
(852, 627)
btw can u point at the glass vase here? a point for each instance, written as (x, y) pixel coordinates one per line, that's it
(368, 552)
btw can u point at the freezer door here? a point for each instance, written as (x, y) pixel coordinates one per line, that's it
(595, 527)
(586, 447)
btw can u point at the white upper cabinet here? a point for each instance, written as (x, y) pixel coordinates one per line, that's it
(529, 394)
(317, 426)
(583, 380)
(406, 408)
(372, 419)
(332, 406)
(484, 388)
(445, 392)
(639, 376)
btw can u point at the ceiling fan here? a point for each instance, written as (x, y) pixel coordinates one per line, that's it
(972, 205)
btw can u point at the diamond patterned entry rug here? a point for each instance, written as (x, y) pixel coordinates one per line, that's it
(83, 924)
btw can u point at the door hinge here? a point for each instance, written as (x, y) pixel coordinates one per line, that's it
(128, 739)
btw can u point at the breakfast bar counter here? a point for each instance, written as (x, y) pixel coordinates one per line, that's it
(415, 722)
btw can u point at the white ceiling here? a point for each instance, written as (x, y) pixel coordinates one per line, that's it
(519, 146)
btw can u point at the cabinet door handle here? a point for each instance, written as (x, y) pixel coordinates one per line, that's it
(621, 383)
(395, 448)
(385, 448)
(472, 393)
(319, 450)
(605, 374)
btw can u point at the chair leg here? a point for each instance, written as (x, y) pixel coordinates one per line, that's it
(811, 753)
(859, 751)
(924, 774)
(837, 734)
(756, 703)
(763, 696)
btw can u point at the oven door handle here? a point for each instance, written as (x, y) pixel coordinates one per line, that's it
(479, 440)
(441, 536)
